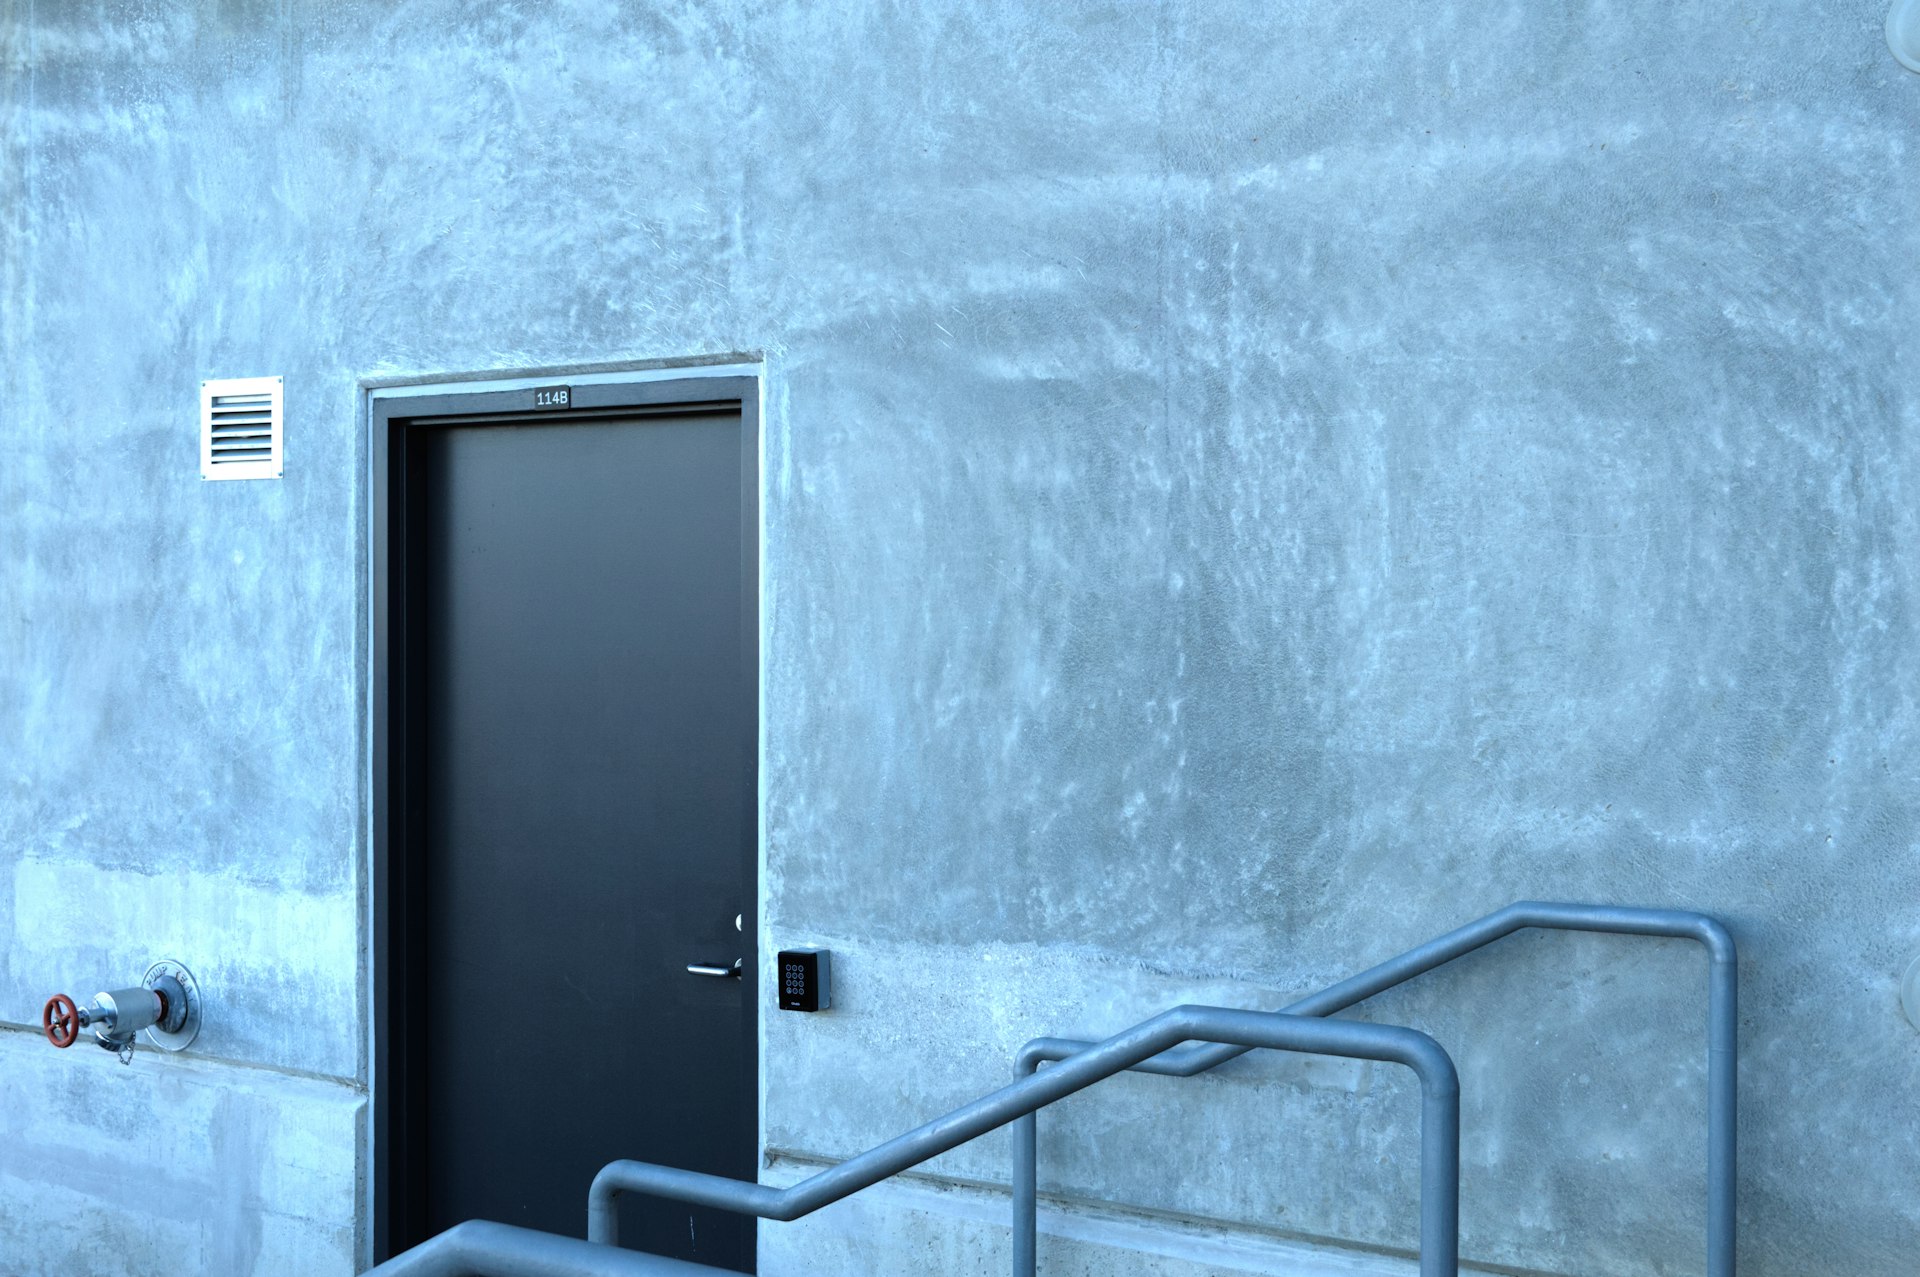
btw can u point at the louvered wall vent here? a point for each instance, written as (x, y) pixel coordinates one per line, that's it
(240, 427)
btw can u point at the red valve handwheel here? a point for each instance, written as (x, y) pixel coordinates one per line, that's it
(61, 1019)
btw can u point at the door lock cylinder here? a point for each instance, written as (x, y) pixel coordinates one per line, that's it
(166, 1004)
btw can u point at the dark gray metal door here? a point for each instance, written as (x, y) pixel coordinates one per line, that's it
(579, 784)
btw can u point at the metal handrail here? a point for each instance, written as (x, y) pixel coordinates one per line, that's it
(482, 1248)
(1722, 1048)
(1236, 1031)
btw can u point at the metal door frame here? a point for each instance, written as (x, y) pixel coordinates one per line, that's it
(387, 405)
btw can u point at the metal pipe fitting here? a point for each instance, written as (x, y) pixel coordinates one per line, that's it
(117, 1016)
(166, 1004)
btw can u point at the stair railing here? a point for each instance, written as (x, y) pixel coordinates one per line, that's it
(482, 1248)
(476, 1249)
(1233, 1030)
(1722, 1049)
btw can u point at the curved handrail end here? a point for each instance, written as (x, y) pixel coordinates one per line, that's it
(1431, 1063)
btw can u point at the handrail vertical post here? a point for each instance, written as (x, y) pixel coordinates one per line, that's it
(1440, 1176)
(1026, 1183)
(1723, 1069)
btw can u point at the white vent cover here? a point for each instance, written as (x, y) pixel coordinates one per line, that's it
(240, 422)
(1903, 32)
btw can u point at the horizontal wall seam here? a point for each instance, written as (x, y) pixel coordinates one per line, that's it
(994, 1196)
(201, 1057)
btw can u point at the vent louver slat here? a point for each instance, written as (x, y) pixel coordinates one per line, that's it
(241, 422)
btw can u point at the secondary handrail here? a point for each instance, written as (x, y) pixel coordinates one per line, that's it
(482, 1248)
(1239, 1031)
(1722, 1046)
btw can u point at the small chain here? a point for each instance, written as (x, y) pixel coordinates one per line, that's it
(126, 1051)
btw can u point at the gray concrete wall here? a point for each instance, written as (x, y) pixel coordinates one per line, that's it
(1249, 487)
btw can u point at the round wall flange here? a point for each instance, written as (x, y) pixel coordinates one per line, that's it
(1910, 992)
(1903, 32)
(180, 1038)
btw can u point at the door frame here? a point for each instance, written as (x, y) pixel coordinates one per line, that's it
(387, 409)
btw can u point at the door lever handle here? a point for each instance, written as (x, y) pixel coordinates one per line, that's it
(723, 973)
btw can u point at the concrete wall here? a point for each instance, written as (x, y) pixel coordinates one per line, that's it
(1249, 487)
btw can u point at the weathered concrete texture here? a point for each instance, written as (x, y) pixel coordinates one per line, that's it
(251, 1172)
(181, 759)
(1311, 500)
(256, 953)
(1249, 487)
